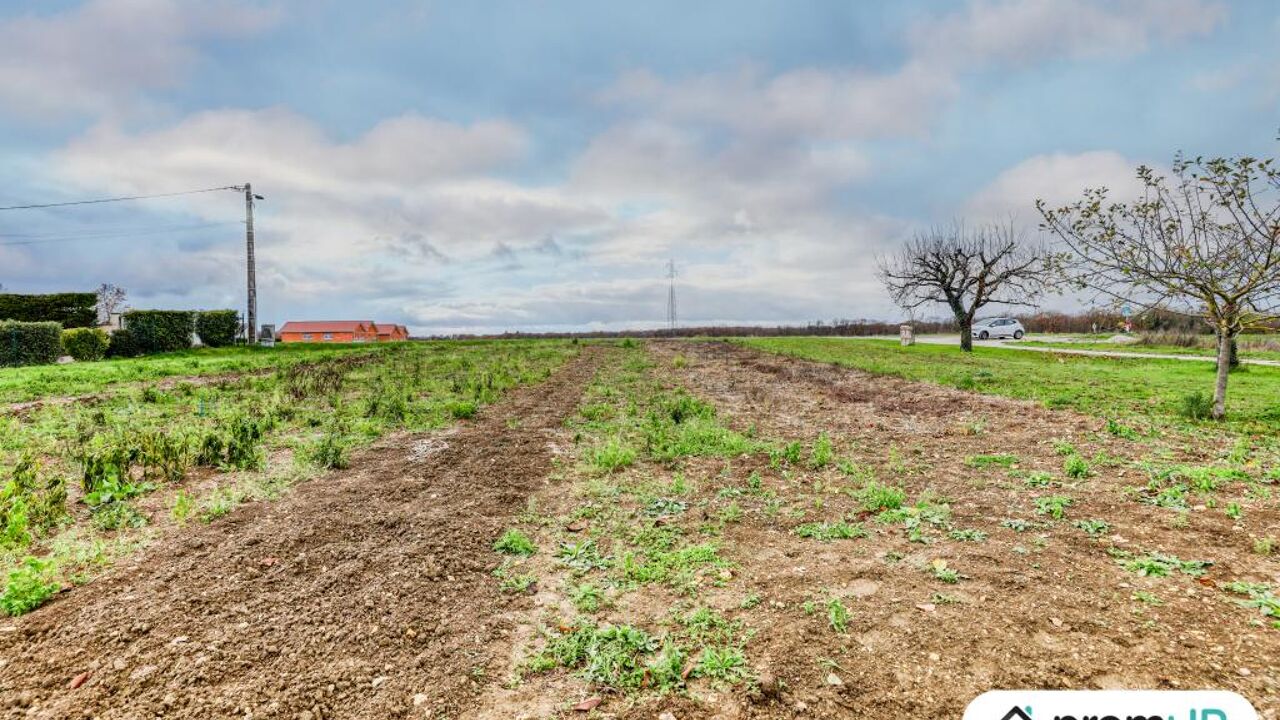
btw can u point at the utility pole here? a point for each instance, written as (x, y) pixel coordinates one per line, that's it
(251, 314)
(671, 297)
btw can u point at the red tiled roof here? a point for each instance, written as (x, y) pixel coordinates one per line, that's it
(324, 326)
(388, 328)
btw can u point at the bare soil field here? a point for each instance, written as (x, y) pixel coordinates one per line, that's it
(694, 529)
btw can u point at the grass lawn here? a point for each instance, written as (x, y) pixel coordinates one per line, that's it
(31, 383)
(1245, 351)
(1107, 387)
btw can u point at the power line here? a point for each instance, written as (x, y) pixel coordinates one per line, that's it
(41, 238)
(119, 199)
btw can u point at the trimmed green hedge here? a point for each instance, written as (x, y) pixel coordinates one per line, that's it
(217, 328)
(156, 331)
(70, 309)
(85, 344)
(29, 343)
(123, 345)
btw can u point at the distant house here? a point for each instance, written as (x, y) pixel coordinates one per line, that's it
(328, 331)
(388, 332)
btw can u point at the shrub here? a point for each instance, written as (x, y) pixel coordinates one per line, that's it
(70, 310)
(1196, 406)
(328, 452)
(157, 331)
(29, 343)
(218, 328)
(85, 344)
(123, 344)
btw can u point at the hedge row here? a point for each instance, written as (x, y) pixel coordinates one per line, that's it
(85, 344)
(69, 309)
(217, 328)
(155, 331)
(29, 343)
(144, 332)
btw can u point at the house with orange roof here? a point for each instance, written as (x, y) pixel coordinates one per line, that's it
(328, 331)
(389, 332)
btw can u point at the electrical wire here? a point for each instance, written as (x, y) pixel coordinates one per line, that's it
(119, 199)
(38, 239)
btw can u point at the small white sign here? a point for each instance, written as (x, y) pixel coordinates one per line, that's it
(1110, 705)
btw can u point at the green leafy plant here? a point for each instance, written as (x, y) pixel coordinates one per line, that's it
(117, 515)
(1260, 596)
(1055, 506)
(1161, 565)
(838, 615)
(613, 454)
(28, 586)
(822, 452)
(1120, 430)
(1093, 528)
(183, 506)
(514, 542)
(985, 461)
(831, 531)
(586, 597)
(1076, 467)
(329, 451)
(518, 584)
(878, 497)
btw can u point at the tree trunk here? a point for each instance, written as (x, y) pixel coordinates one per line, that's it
(1233, 361)
(1225, 340)
(966, 335)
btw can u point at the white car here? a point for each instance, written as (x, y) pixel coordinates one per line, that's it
(998, 327)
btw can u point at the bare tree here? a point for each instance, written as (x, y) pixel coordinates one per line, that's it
(110, 300)
(1204, 242)
(966, 270)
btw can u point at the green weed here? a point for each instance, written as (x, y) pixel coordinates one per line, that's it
(1004, 460)
(1161, 565)
(827, 531)
(1076, 467)
(1055, 506)
(28, 586)
(515, 542)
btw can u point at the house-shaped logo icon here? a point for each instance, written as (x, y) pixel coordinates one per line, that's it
(1017, 713)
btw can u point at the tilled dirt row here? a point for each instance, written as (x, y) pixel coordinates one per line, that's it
(364, 594)
(1046, 608)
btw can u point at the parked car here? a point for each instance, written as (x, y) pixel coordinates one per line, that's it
(997, 328)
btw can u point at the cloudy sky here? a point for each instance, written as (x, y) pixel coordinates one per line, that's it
(482, 166)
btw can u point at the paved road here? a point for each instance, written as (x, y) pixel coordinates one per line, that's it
(955, 339)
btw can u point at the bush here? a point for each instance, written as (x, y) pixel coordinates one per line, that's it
(329, 452)
(1196, 406)
(71, 310)
(85, 344)
(157, 331)
(218, 328)
(123, 344)
(29, 343)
